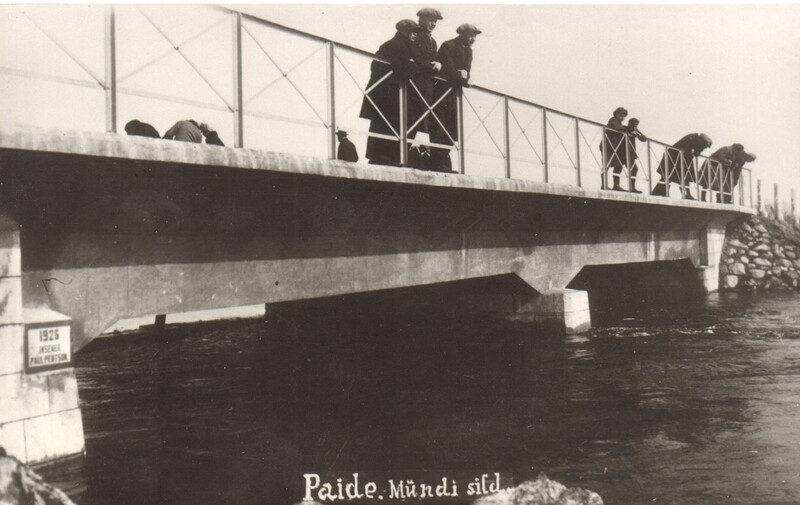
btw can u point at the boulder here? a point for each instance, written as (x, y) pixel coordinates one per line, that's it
(784, 263)
(752, 253)
(777, 271)
(723, 269)
(791, 274)
(746, 228)
(542, 491)
(790, 255)
(761, 248)
(761, 262)
(744, 259)
(760, 229)
(796, 264)
(730, 281)
(735, 243)
(737, 269)
(756, 273)
(19, 484)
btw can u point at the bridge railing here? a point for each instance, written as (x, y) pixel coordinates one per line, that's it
(268, 86)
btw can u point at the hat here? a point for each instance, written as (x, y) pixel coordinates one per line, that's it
(468, 28)
(407, 25)
(341, 133)
(706, 138)
(430, 13)
(633, 120)
(620, 110)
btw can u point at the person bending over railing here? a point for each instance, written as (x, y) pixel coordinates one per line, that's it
(675, 165)
(456, 58)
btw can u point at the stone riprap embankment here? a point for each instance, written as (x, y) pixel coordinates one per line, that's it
(761, 254)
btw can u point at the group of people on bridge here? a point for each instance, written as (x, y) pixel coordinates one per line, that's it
(677, 164)
(433, 77)
(187, 130)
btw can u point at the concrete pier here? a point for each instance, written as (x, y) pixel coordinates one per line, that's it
(40, 418)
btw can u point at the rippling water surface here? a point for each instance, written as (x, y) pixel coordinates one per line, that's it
(673, 403)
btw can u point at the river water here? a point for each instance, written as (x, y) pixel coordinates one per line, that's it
(667, 403)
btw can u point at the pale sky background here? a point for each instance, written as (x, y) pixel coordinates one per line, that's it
(731, 71)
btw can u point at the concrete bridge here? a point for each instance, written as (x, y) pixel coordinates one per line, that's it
(98, 228)
(102, 227)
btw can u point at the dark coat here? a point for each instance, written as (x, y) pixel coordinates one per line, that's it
(399, 52)
(454, 56)
(425, 49)
(138, 128)
(212, 138)
(613, 145)
(347, 151)
(690, 145)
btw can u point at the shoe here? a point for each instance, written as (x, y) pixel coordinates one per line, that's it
(617, 187)
(634, 190)
(688, 197)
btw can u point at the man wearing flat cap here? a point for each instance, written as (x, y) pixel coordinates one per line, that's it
(672, 170)
(381, 104)
(425, 49)
(456, 58)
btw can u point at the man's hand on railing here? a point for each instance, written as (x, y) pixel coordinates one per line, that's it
(463, 74)
(436, 66)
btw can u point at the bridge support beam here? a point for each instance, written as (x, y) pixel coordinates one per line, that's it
(565, 311)
(40, 419)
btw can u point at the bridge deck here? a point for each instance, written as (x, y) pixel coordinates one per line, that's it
(110, 145)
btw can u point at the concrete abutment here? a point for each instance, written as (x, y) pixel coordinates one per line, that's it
(40, 416)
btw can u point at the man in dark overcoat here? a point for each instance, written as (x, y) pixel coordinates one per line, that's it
(347, 150)
(613, 147)
(455, 55)
(425, 55)
(723, 157)
(381, 105)
(685, 149)
(739, 159)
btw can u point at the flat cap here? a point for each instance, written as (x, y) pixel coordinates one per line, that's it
(468, 28)
(706, 138)
(430, 13)
(407, 25)
(621, 110)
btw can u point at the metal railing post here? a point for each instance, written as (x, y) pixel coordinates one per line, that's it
(544, 146)
(462, 158)
(776, 202)
(403, 90)
(695, 171)
(750, 183)
(604, 168)
(111, 69)
(759, 198)
(741, 190)
(793, 204)
(649, 168)
(238, 112)
(506, 137)
(331, 55)
(578, 152)
(628, 161)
